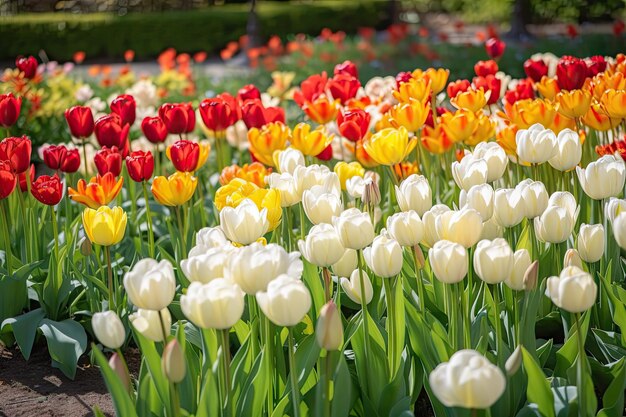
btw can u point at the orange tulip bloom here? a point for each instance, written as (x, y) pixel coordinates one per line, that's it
(573, 103)
(535, 111)
(264, 141)
(506, 139)
(174, 190)
(561, 122)
(321, 110)
(596, 119)
(405, 169)
(485, 130)
(472, 100)
(310, 143)
(548, 87)
(613, 103)
(460, 125)
(100, 190)
(435, 140)
(417, 89)
(254, 172)
(438, 78)
(411, 114)
(363, 157)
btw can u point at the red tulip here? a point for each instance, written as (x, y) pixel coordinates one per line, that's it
(124, 106)
(484, 68)
(326, 154)
(140, 165)
(618, 28)
(343, 87)
(595, 65)
(59, 158)
(489, 83)
(248, 92)
(184, 155)
(311, 88)
(403, 77)
(347, 67)
(27, 65)
(254, 114)
(80, 121)
(17, 152)
(456, 87)
(48, 189)
(108, 160)
(535, 69)
(571, 73)
(154, 129)
(111, 132)
(218, 113)
(7, 179)
(353, 124)
(524, 89)
(10, 107)
(495, 47)
(21, 178)
(178, 117)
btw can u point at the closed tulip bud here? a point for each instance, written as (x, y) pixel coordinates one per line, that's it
(614, 207)
(140, 165)
(108, 160)
(322, 246)
(80, 121)
(509, 207)
(591, 242)
(148, 323)
(105, 226)
(288, 160)
(154, 129)
(406, 228)
(85, 246)
(514, 362)
(384, 256)
(288, 187)
(531, 276)
(108, 329)
(603, 178)
(414, 193)
(124, 106)
(448, 261)
(493, 260)
(216, 305)
(462, 381)
(173, 362)
(178, 117)
(354, 228)
(534, 197)
(352, 286)
(117, 365)
(571, 73)
(184, 155)
(329, 329)
(59, 158)
(321, 204)
(469, 172)
(285, 302)
(371, 194)
(16, 151)
(10, 107)
(574, 290)
(536, 144)
(151, 284)
(480, 198)
(8, 180)
(554, 225)
(110, 131)
(346, 264)
(205, 264)
(430, 223)
(521, 262)
(495, 157)
(245, 223)
(463, 226)
(254, 266)
(572, 258)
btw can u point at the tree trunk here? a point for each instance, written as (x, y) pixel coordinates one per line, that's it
(519, 19)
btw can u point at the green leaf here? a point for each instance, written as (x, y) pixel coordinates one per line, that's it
(307, 353)
(152, 359)
(148, 403)
(121, 400)
(209, 404)
(67, 340)
(24, 329)
(255, 389)
(613, 398)
(539, 391)
(343, 395)
(566, 355)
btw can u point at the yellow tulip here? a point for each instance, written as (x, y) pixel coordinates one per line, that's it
(363, 157)
(596, 119)
(270, 200)
(561, 122)
(485, 130)
(435, 140)
(460, 125)
(174, 190)
(205, 150)
(438, 78)
(613, 103)
(266, 140)
(417, 89)
(573, 103)
(506, 139)
(548, 87)
(411, 114)
(104, 226)
(389, 146)
(345, 171)
(535, 111)
(309, 142)
(472, 100)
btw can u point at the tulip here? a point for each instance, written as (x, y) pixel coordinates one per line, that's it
(154, 129)
(389, 146)
(614, 207)
(591, 242)
(343, 87)
(265, 141)
(574, 103)
(108, 160)
(140, 165)
(354, 228)
(321, 204)
(16, 151)
(456, 87)
(548, 88)
(555, 225)
(430, 223)
(288, 160)
(205, 264)
(173, 362)
(508, 207)
(322, 246)
(310, 143)
(151, 284)
(329, 329)
(572, 258)
(8, 180)
(108, 329)
(613, 103)
(484, 68)
(100, 190)
(406, 228)
(495, 47)
(211, 237)
(59, 158)
(346, 67)
(174, 190)
(521, 264)
(353, 124)
(48, 190)
(469, 172)
(124, 106)
(321, 110)
(216, 305)
(248, 92)
(22, 178)
(245, 223)
(534, 197)
(184, 155)
(490, 84)
(495, 157)
(536, 144)
(574, 290)
(619, 229)
(218, 113)
(178, 118)
(479, 198)
(463, 226)
(346, 264)
(152, 324)
(411, 115)
(603, 178)
(27, 65)
(345, 171)
(449, 261)
(414, 193)
(460, 125)
(535, 69)
(384, 256)
(471, 100)
(352, 286)
(121, 370)
(285, 302)
(493, 260)
(111, 132)
(462, 381)
(254, 266)
(288, 187)
(571, 73)
(568, 151)
(104, 226)
(10, 107)
(80, 121)
(415, 88)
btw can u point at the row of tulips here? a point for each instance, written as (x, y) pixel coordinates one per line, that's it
(392, 254)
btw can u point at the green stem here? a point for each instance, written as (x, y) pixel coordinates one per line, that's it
(295, 389)
(25, 224)
(364, 313)
(496, 305)
(391, 326)
(149, 219)
(55, 231)
(181, 232)
(580, 368)
(85, 161)
(269, 345)
(7, 240)
(107, 251)
(327, 392)
(302, 221)
(421, 291)
(164, 329)
(228, 407)
(174, 400)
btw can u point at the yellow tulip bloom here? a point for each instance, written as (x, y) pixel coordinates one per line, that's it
(417, 89)
(238, 189)
(548, 87)
(613, 103)
(389, 146)
(411, 114)
(596, 119)
(485, 130)
(573, 103)
(174, 190)
(438, 78)
(472, 100)
(310, 143)
(266, 140)
(535, 111)
(104, 226)
(460, 125)
(345, 171)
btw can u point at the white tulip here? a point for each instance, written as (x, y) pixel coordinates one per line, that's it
(555, 225)
(491, 230)
(567, 201)
(568, 151)
(572, 258)
(309, 176)
(287, 186)
(591, 242)
(495, 157)
(430, 223)
(480, 198)
(603, 178)
(211, 237)
(534, 197)
(322, 246)
(406, 227)
(414, 193)
(205, 267)
(619, 230)
(285, 302)
(493, 260)
(449, 261)
(150, 284)
(509, 207)
(469, 172)
(346, 264)
(464, 226)
(614, 207)
(352, 287)
(216, 305)
(521, 262)
(148, 323)
(245, 223)
(384, 256)
(289, 159)
(574, 290)
(108, 329)
(536, 144)
(321, 204)
(354, 228)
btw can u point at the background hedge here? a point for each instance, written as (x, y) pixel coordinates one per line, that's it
(148, 34)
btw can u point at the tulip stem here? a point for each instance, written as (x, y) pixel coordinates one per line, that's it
(149, 219)
(365, 318)
(269, 346)
(295, 389)
(496, 310)
(391, 326)
(55, 232)
(327, 284)
(25, 223)
(107, 251)
(163, 328)
(85, 158)
(326, 387)
(224, 342)
(181, 231)
(421, 291)
(302, 221)
(581, 366)
(7, 241)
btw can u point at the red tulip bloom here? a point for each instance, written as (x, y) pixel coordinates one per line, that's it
(48, 189)
(484, 68)
(59, 158)
(110, 131)
(618, 28)
(347, 67)
(248, 92)
(21, 178)
(571, 73)
(27, 65)
(254, 114)
(178, 117)
(353, 124)
(140, 165)
(535, 69)
(10, 107)
(154, 129)
(80, 121)
(108, 160)
(218, 113)
(8, 179)
(311, 88)
(495, 47)
(125, 107)
(184, 154)
(326, 154)
(17, 152)
(489, 83)
(595, 65)
(343, 87)
(456, 87)
(403, 77)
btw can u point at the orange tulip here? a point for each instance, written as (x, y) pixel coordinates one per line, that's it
(506, 139)
(435, 140)
(254, 172)
(174, 190)
(535, 111)
(321, 110)
(472, 100)
(405, 169)
(460, 125)
(363, 157)
(548, 87)
(561, 122)
(266, 140)
(573, 103)
(417, 89)
(485, 130)
(613, 103)
(411, 114)
(100, 190)
(310, 143)
(438, 78)
(596, 119)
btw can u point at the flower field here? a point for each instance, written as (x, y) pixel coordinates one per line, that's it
(327, 246)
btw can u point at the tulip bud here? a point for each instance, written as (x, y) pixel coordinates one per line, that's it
(514, 362)
(495, 157)
(568, 151)
(531, 276)
(572, 258)
(534, 197)
(152, 324)
(354, 228)
(469, 172)
(414, 193)
(554, 225)
(346, 264)
(406, 228)
(493, 260)
(329, 329)
(521, 262)
(384, 256)
(419, 256)
(216, 305)
(285, 302)
(173, 362)
(352, 286)
(591, 242)
(603, 178)
(508, 207)
(449, 261)
(151, 284)
(117, 365)
(245, 223)
(108, 329)
(574, 290)
(536, 144)
(322, 246)
(480, 198)
(85, 246)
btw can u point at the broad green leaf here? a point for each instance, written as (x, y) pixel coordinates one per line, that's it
(67, 340)
(539, 391)
(566, 355)
(255, 389)
(209, 403)
(613, 398)
(24, 329)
